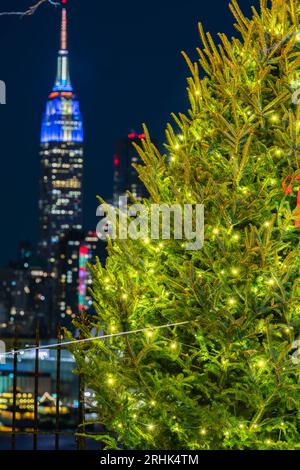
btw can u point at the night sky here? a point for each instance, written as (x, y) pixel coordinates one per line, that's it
(126, 69)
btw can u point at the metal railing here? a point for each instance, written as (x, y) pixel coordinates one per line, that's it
(56, 430)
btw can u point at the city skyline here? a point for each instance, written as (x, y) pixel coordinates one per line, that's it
(120, 83)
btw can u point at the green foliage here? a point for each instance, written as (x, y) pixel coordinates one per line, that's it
(226, 379)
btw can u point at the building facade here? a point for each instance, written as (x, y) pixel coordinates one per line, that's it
(125, 175)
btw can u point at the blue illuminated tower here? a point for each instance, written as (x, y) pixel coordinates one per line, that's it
(60, 202)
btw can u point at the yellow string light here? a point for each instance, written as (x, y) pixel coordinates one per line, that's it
(110, 381)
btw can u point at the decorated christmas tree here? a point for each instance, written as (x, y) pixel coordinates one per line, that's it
(226, 378)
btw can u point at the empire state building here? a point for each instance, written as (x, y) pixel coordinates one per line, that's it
(60, 203)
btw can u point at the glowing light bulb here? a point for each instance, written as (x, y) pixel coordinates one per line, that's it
(261, 363)
(111, 381)
(274, 118)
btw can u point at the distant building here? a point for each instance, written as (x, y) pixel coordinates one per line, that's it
(25, 296)
(75, 251)
(60, 203)
(67, 269)
(88, 251)
(125, 176)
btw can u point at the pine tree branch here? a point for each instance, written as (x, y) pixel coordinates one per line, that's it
(31, 10)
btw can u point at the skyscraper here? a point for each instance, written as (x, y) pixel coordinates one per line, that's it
(60, 203)
(126, 177)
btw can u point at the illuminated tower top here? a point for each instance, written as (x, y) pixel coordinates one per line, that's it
(62, 120)
(63, 81)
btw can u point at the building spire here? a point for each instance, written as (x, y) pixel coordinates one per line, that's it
(64, 31)
(63, 81)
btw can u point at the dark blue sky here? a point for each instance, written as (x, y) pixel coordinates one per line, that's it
(127, 69)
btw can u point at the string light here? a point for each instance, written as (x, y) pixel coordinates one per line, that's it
(261, 363)
(274, 118)
(96, 338)
(110, 381)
